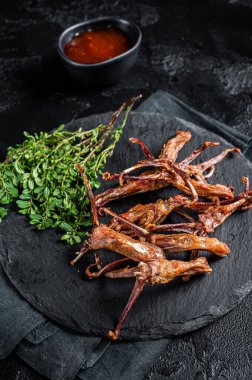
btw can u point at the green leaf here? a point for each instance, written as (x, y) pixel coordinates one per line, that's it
(26, 134)
(47, 223)
(15, 180)
(46, 191)
(81, 234)
(39, 189)
(56, 192)
(25, 197)
(13, 191)
(35, 173)
(23, 204)
(8, 174)
(70, 240)
(34, 222)
(44, 165)
(38, 181)
(36, 217)
(23, 211)
(77, 239)
(6, 199)
(61, 128)
(3, 212)
(65, 226)
(30, 184)
(18, 168)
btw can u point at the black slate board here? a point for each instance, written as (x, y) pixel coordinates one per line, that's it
(37, 262)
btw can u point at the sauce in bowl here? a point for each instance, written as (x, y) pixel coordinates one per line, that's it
(95, 46)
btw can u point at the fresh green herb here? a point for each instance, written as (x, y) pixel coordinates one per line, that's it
(41, 173)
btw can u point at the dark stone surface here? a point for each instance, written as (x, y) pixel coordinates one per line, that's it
(200, 52)
(37, 262)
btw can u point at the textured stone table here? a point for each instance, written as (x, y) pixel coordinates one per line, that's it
(198, 51)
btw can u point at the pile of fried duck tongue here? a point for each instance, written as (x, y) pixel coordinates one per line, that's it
(133, 234)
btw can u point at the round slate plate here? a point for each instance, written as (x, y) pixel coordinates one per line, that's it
(37, 262)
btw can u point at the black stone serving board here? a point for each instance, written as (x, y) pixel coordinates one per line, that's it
(37, 261)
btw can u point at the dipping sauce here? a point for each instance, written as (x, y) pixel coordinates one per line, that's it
(98, 45)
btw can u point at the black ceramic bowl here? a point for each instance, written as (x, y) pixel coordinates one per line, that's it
(106, 72)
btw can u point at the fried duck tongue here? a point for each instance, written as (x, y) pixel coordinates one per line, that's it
(154, 273)
(106, 238)
(216, 215)
(177, 242)
(183, 164)
(203, 207)
(173, 146)
(144, 183)
(151, 213)
(159, 179)
(173, 175)
(248, 204)
(186, 242)
(210, 191)
(215, 160)
(170, 150)
(103, 237)
(152, 180)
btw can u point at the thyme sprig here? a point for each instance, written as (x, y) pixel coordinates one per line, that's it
(41, 175)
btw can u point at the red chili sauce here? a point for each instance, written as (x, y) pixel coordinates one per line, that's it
(97, 45)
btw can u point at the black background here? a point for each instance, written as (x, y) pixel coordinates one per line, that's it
(198, 51)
